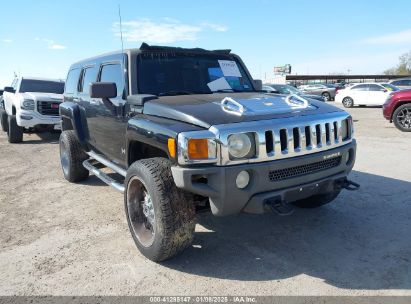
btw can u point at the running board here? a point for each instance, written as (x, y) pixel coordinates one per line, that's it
(103, 176)
(107, 163)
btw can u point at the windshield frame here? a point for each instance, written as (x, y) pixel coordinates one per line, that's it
(218, 56)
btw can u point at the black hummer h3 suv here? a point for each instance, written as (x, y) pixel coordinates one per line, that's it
(182, 130)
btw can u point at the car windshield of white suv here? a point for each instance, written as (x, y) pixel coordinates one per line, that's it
(174, 74)
(41, 86)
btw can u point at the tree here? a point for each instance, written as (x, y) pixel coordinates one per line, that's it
(403, 67)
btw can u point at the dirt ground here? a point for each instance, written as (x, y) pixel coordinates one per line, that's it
(58, 238)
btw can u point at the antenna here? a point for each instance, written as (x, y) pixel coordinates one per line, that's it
(122, 50)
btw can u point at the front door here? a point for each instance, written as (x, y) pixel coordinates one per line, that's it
(111, 126)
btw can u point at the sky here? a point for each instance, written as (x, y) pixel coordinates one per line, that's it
(43, 38)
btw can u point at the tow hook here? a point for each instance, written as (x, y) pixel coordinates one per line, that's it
(349, 185)
(279, 206)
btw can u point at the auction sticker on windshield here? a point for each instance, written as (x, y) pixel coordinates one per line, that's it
(229, 68)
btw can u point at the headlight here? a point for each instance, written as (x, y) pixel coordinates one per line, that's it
(27, 104)
(241, 145)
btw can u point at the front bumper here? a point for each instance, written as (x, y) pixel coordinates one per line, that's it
(387, 111)
(31, 119)
(218, 183)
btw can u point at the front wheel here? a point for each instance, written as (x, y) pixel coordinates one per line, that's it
(402, 118)
(348, 102)
(316, 201)
(14, 132)
(161, 217)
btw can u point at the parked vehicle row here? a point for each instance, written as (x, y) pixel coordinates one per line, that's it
(287, 90)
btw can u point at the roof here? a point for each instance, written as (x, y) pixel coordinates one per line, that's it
(41, 79)
(154, 48)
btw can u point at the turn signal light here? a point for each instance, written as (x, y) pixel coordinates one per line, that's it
(198, 148)
(171, 144)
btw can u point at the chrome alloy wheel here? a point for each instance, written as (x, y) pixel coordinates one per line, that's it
(141, 212)
(404, 118)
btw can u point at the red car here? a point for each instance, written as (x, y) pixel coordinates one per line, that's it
(397, 109)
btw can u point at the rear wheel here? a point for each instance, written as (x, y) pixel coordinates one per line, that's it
(402, 118)
(3, 120)
(72, 157)
(317, 200)
(161, 217)
(326, 96)
(14, 132)
(348, 102)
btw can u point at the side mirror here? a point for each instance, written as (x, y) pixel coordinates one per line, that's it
(103, 90)
(9, 89)
(1, 92)
(258, 84)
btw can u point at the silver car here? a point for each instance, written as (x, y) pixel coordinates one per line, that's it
(327, 92)
(404, 83)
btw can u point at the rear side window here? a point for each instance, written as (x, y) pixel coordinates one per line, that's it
(376, 87)
(89, 76)
(72, 81)
(112, 73)
(360, 87)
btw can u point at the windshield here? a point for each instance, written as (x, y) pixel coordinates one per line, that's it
(42, 86)
(390, 87)
(176, 74)
(287, 89)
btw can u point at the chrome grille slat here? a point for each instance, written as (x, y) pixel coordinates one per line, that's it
(292, 143)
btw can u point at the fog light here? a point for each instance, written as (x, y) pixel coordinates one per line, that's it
(242, 180)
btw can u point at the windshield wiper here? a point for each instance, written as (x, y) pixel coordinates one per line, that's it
(172, 93)
(228, 90)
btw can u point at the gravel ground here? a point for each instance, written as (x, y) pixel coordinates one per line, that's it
(58, 238)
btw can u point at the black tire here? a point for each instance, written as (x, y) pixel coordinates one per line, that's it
(72, 157)
(4, 121)
(402, 118)
(172, 210)
(14, 132)
(326, 96)
(348, 102)
(316, 201)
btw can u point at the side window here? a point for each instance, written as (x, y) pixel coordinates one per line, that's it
(376, 87)
(360, 87)
(112, 73)
(407, 82)
(396, 83)
(72, 81)
(89, 76)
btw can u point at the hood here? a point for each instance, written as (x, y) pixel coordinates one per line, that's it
(206, 110)
(43, 96)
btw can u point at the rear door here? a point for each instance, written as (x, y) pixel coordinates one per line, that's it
(88, 75)
(377, 95)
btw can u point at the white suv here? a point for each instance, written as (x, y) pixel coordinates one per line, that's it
(31, 104)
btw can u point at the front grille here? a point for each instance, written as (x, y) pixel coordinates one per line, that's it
(50, 108)
(282, 174)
